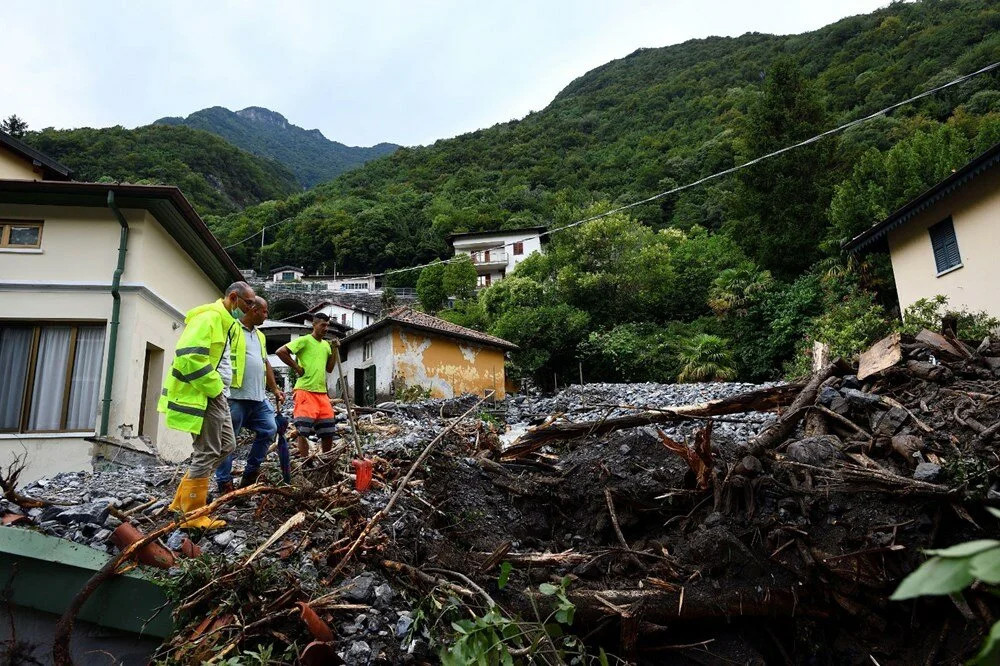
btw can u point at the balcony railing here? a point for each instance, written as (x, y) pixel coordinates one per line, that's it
(489, 257)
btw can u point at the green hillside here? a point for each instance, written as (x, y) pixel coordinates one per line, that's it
(216, 176)
(307, 153)
(654, 119)
(732, 278)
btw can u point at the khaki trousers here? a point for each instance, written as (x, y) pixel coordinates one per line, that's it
(215, 441)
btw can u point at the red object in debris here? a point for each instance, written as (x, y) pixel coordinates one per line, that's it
(190, 548)
(14, 519)
(362, 474)
(317, 627)
(152, 554)
(319, 653)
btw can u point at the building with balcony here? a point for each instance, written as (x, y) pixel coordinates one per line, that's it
(496, 253)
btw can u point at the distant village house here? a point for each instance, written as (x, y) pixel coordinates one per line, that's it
(496, 253)
(287, 273)
(349, 315)
(408, 349)
(945, 241)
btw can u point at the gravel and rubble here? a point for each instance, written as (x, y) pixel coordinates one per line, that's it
(718, 530)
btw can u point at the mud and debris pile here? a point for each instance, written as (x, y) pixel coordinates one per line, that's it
(694, 524)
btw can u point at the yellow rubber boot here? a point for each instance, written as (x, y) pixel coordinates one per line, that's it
(175, 505)
(193, 495)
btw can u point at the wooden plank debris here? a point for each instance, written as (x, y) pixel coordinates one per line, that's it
(882, 355)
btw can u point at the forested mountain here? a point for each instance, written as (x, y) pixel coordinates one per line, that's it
(654, 119)
(731, 278)
(307, 153)
(216, 176)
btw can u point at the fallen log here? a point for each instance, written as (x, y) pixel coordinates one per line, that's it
(780, 430)
(853, 478)
(761, 400)
(663, 606)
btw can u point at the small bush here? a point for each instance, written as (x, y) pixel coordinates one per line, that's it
(928, 312)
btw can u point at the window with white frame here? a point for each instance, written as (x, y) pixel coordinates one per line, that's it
(366, 350)
(52, 374)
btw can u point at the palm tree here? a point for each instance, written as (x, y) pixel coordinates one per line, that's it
(706, 358)
(735, 288)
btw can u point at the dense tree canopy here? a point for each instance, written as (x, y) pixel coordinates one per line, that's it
(216, 176)
(734, 276)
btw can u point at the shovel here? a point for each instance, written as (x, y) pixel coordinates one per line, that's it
(362, 466)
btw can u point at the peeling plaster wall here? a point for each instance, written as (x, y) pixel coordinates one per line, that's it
(445, 366)
(381, 358)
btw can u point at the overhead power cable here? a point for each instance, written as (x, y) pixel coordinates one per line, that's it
(695, 183)
(259, 232)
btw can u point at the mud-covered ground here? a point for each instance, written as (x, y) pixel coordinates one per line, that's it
(787, 556)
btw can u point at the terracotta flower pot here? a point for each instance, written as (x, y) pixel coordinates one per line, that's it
(152, 554)
(319, 653)
(317, 627)
(190, 548)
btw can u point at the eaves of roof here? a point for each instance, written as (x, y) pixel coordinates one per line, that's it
(167, 204)
(36, 156)
(367, 331)
(877, 234)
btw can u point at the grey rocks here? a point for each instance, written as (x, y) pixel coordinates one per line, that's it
(928, 472)
(816, 451)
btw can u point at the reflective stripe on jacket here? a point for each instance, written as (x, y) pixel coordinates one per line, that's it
(238, 354)
(194, 375)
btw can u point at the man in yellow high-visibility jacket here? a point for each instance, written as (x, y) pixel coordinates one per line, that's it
(194, 394)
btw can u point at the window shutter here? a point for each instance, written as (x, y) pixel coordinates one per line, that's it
(945, 245)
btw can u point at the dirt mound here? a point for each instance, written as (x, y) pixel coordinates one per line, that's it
(656, 532)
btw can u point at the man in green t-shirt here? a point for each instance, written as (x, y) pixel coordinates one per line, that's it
(314, 358)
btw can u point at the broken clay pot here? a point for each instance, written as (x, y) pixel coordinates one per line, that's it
(319, 653)
(152, 554)
(317, 627)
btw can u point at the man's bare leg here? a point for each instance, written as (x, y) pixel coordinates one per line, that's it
(326, 443)
(303, 445)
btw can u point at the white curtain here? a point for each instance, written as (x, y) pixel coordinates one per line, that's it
(86, 380)
(50, 379)
(15, 345)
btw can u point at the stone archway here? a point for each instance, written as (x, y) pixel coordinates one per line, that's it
(283, 307)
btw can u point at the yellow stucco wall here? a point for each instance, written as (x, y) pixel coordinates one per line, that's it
(15, 167)
(446, 367)
(975, 211)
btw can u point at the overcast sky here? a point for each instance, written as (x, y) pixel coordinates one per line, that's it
(360, 71)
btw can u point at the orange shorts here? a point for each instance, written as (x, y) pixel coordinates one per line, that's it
(313, 414)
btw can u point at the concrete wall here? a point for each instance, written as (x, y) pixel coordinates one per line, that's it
(15, 167)
(975, 210)
(445, 366)
(381, 358)
(69, 280)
